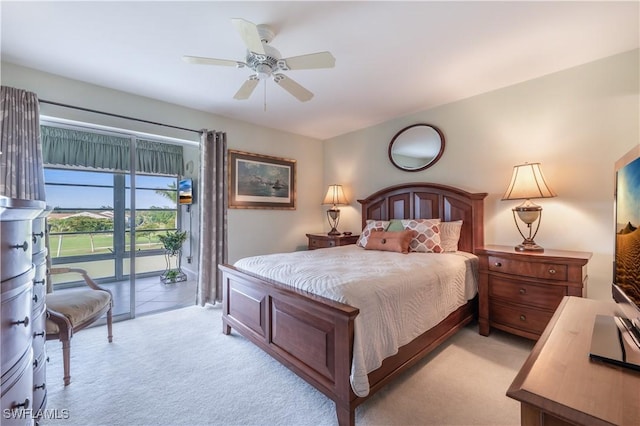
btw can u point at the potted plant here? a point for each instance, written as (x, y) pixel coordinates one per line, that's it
(172, 242)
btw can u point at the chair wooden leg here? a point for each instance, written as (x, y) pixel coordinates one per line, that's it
(110, 325)
(66, 360)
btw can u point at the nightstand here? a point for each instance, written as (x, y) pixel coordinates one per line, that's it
(520, 291)
(317, 241)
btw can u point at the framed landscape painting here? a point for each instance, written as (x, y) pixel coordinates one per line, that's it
(261, 181)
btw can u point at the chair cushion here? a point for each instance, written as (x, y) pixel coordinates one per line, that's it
(76, 304)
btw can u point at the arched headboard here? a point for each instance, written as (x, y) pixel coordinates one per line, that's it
(430, 201)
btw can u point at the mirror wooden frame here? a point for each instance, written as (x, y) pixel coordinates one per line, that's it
(427, 164)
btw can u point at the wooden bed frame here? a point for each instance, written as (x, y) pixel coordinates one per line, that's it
(313, 336)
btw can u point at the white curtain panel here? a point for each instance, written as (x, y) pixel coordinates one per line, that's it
(21, 170)
(213, 216)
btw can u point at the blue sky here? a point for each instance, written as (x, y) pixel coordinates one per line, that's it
(79, 197)
(628, 200)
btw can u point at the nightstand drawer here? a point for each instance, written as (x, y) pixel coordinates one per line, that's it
(526, 268)
(520, 318)
(318, 241)
(543, 296)
(315, 243)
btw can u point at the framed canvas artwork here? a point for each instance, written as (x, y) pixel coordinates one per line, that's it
(261, 182)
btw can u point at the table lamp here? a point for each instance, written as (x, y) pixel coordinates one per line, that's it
(528, 182)
(335, 196)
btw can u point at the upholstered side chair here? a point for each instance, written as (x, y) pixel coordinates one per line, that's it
(70, 311)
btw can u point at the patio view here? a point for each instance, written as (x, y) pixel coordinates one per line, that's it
(91, 227)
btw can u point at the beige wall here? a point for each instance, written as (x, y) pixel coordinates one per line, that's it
(250, 231)
(576, 123)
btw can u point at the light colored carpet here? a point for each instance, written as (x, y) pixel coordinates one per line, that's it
(177, 368)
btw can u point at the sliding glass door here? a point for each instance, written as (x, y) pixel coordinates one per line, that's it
(108, 222)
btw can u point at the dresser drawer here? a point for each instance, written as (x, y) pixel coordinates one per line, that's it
(39, 383)
(38, 233)
(526, 268)
(17, 399)
(15, 238)
(39, 280)
(543, 296)
(521, 318)
(316, 243)
(15, 313)
(38, 329)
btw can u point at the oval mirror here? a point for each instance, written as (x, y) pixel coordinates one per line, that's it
(416, 147)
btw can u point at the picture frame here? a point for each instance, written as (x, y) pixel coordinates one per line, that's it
(259, 181)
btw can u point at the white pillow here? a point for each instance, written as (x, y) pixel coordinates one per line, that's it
(450, 235)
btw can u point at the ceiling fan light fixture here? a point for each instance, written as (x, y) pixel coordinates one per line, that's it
(263, 71)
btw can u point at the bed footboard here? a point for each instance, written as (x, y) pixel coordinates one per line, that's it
(309, 334)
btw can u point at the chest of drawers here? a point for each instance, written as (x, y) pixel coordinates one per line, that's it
(520, 291)
(17, 275)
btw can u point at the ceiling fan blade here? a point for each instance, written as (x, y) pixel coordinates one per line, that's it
(292, 87)
(249, 33)
(247, 88)
(307, 62)
(213, 61)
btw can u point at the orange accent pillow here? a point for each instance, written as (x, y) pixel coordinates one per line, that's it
(390, 241)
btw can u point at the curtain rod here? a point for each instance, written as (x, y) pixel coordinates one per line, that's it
(117, 115)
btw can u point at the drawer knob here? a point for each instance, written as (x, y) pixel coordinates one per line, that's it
(523, 291)
(25, 322)
(35, 236)
(42, 386)
(497, 264)
(24, 405)
(523, 318)
(35, 363)
(552, 271)
(41, 334)
(35, 298)
(24, 246)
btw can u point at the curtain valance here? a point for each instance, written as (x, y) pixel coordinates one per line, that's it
(71, 147)
(157, 157)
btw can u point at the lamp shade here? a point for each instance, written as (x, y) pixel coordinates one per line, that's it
(335, 196)
(528, 182)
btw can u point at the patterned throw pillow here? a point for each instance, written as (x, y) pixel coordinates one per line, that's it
(450, 235)
(379, 225)
(426, 235)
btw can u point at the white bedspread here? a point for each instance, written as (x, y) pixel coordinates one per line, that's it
(400, 296)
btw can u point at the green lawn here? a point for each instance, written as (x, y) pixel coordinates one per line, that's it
(76, 245)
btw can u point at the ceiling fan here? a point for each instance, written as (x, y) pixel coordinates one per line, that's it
(266, 61)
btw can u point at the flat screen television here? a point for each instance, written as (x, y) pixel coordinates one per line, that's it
(617, 339)
(185, 191)
(626, 273)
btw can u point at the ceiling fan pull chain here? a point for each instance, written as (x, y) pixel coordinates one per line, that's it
(265, 95)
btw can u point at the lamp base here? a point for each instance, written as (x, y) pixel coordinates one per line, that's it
(529, 245)
(334, 231)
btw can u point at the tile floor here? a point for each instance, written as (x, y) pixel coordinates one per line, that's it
(151, 295)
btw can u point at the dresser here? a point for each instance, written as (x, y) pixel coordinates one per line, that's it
(39, 259)
(520, 291)
(558, 383)
(317, 241)
(17, 275)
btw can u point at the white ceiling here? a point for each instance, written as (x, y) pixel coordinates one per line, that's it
(392, 58)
